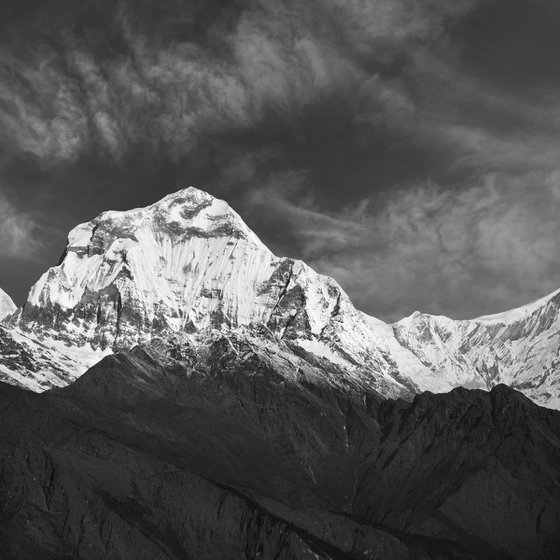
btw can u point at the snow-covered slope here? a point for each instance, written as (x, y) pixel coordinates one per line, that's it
(40, 363)
(520, 348)
(7, 306)
(189, 264)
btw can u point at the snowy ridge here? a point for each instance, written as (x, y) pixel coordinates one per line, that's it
(42, 364)
(7, 306)
(519, 313)
(188, 264)
(520, 348)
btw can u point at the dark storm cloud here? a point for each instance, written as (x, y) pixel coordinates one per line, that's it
(397, 144)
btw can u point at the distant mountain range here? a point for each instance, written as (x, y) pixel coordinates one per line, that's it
(188, 266)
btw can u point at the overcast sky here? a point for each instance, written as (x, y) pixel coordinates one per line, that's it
(408, 148)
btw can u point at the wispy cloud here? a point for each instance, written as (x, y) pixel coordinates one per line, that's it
(482, 249)
(19, 232)
(62, 99)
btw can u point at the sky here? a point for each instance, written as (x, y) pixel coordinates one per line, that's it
(410, 149)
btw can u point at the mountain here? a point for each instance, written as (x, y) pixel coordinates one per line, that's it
(520, 348)
(188, 265)
(7, 306)
(217, 455)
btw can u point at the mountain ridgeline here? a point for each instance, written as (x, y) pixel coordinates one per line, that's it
(188, 265)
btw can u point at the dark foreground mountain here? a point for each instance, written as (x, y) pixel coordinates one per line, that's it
(170, 453)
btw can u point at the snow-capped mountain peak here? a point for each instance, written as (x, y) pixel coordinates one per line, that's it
(189, 263)
(188, 212)
(175, 264)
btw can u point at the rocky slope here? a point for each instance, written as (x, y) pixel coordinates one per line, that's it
(188, 264)
(7, 306)
(176, 452)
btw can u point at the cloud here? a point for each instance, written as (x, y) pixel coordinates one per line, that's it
(448, 182)
(19, 232)
(393, 24)
(65, 97)
(482, 249)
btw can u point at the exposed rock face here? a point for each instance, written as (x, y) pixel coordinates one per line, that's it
(189, 265)
(217, 455)
(7, 306)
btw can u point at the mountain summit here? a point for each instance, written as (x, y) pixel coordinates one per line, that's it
(184, 263)
(188, 267)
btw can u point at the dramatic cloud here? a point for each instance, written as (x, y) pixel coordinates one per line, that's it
(62, 99)
(18, 232)
(434, 125)
(483, 249)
